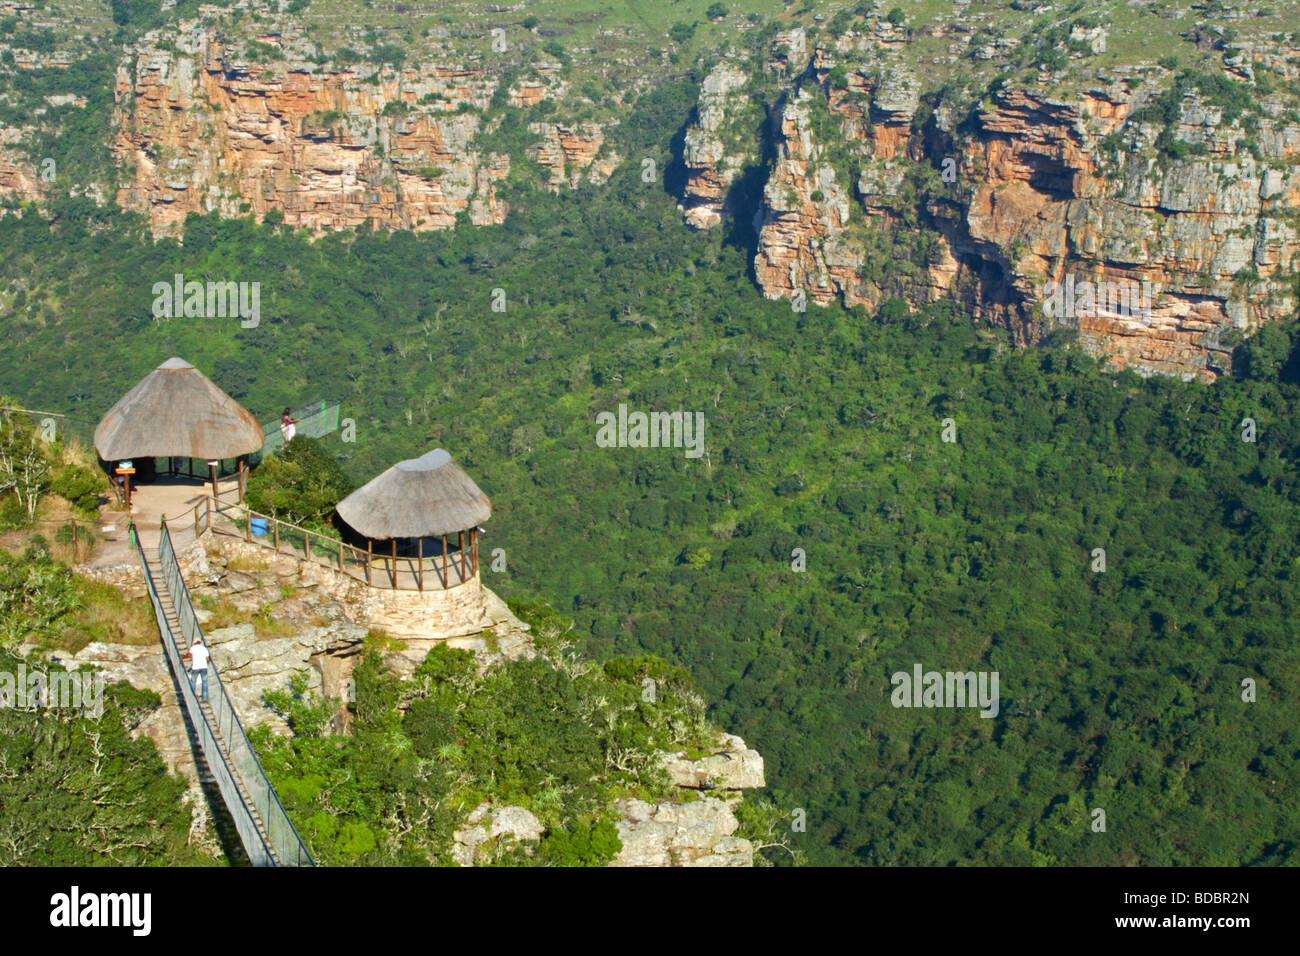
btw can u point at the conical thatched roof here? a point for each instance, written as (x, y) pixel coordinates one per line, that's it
(421, 497)
(176, 410)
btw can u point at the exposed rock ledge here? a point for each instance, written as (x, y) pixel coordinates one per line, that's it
(695, 832)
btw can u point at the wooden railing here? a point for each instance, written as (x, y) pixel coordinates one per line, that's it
(378, 569)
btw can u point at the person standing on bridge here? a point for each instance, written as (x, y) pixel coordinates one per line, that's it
(287, 428)
(199, 657)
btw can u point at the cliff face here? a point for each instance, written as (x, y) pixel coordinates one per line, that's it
(802, 246)
(1170, 223)
(572, 154)
(200, 131)
(1200, 243)
(714, 150)
(1170, 243)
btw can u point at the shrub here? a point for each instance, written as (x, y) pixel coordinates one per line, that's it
(300, 484)
(80, 485)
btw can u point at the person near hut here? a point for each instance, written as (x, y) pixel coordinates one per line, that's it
(199, 657)
(287, 426)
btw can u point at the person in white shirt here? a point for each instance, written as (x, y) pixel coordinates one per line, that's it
(199, 657)
(288, 426)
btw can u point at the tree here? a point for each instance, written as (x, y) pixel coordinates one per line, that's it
(301, 484)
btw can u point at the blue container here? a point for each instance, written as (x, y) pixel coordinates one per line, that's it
(258, 526)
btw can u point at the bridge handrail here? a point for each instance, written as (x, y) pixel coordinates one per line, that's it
(284, 838)
(259, 852)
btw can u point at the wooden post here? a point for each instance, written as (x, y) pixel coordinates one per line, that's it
(445, 580)
(196, 522)
(340, 555)
(368, 545)
(209, 512)
(460, 545)
(306, 544)
(473, 548)
(419, 571)
(394, 574)
(248, 525)
(212, 472)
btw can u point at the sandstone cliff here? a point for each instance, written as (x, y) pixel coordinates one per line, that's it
(718, 145)
(200, 129)
(1185, 235)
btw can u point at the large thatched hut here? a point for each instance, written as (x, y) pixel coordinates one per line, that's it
(177, 412)
(414, 507)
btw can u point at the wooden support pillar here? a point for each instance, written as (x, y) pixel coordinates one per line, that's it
(212, 472)
(460, 546)
(445, 580)
(369, 544)
(394, 564)
(473, 548)
(340, 556)
(419, 571)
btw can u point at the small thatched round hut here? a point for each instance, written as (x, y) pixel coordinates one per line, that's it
(413, 507)
(177, 412)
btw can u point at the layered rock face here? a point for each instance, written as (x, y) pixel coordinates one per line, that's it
(1170, 255)
(200, 131)
(1176, 253)
(711, 167)
(572, 154)
(802, 246)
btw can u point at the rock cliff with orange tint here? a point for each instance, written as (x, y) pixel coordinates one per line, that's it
(201, 131)
(1029, 193)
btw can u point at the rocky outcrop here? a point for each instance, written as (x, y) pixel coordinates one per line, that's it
(19, 179)
(733, 766)
(323, 616)
(698, 833)
(691, 832)
(489, 829)
(709, 151)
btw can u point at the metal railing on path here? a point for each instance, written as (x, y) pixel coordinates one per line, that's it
(268, 835)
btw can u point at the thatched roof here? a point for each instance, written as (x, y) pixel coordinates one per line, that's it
(177, 411)
(421, 497)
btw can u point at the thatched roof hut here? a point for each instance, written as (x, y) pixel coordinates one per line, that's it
(422, 497)
(176, 411)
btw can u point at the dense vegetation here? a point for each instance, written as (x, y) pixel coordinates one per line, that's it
(75, 788)
(558, 735)
(1121, 689)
